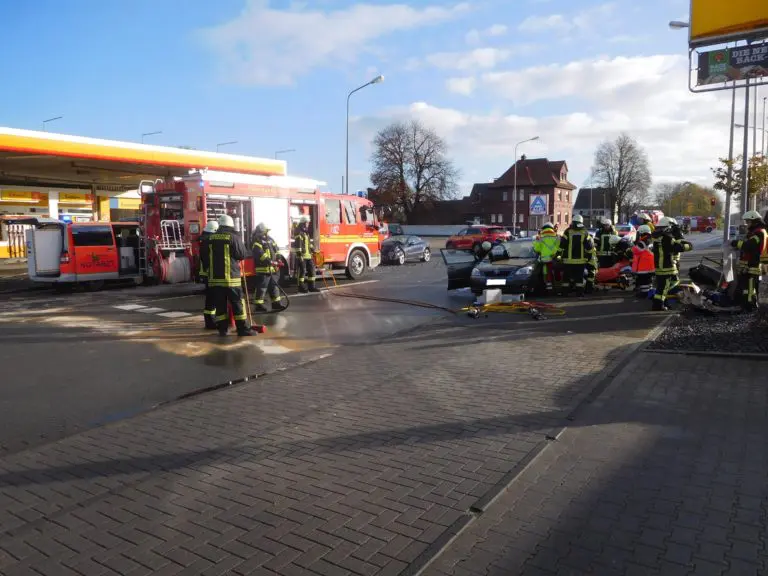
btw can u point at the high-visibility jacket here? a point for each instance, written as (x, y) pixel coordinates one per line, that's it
(547, 245)
(264, 250)
(642, 260)
(602, 241)
(303, 244)
(752, 248)
(664, 249)
(577, 246)
(220, 255)
(203, 272)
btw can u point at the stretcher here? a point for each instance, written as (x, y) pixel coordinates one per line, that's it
(617, 276)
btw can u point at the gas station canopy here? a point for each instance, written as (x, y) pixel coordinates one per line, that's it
(32, 157)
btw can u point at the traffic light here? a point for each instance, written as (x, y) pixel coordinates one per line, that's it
(712, 201)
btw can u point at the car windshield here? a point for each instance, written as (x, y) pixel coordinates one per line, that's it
(398, 238)
(517, 249)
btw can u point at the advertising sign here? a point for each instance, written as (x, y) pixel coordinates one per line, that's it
(74, 198)
(732, 64)
(19, 195)
(538, 205)
(716, 21)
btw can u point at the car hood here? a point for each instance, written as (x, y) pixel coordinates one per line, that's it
(391, 243)
(504, 266)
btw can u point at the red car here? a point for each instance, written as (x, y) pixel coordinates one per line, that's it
(471, 238)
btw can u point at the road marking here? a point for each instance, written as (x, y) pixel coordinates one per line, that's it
(129, 306)
(175, 314)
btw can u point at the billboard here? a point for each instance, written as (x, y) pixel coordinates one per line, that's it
(538, 204)
(717, 21)
(732, 64)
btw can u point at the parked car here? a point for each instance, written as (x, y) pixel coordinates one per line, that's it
(509, 266)
(627, 230)
(472, 238)
(402, 249)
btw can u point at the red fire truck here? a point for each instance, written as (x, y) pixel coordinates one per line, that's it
(175, 211)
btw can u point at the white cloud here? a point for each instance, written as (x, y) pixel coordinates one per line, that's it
(683, 133)
(544, 23)
(587, 19)
(464, 86)
(483, 58)
(474, 36)
(273, 47)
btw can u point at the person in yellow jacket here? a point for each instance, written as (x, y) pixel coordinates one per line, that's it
(547, 246)
(603, 243)
(303, 249)
(577, 247)
(209, 310)
(264, 250)
(751, 250)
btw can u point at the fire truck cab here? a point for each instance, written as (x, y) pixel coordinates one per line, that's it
(175, 211)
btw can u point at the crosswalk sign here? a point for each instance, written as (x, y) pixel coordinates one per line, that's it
(538, 205)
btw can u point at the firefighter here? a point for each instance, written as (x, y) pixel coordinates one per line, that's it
(303, 249)
(646, 220)
(578, 248)
(547, 245)
(643, 264)
(209, 311)
(664, 248)
(751, 249)
(602, 242)
(677, 234)
(264, 254)
(221, 256)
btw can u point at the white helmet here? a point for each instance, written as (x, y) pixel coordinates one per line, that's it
(664, 222)
(211, 226)
(643, 217)
(226, 220)
(486, 246)
(606, 222)
(578, 219)
(614, 239)
(261, 229)
(672, 221)
(644, 229)
(752, 215)
(304, 219)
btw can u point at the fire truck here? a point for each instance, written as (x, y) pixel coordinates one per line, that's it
(175, 211)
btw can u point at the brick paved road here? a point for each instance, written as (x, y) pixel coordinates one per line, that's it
(664, 474)
(358, 464)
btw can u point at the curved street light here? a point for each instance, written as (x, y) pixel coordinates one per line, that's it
(514, 203)
(378, 80)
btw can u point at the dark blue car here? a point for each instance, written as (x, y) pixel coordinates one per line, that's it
(402, 249)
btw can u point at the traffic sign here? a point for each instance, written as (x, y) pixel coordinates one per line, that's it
(538, 205)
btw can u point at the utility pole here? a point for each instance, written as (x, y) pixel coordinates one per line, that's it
(745, 154)
(727, 223)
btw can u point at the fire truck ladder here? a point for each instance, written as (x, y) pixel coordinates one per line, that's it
(170, 236)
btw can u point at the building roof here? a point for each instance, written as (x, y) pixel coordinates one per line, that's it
(594, 198)
(534, 172)
(476, 195)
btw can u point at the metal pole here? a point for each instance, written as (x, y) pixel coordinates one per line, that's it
(762, 147)
(754, 122)
(745, 154)
(514, 203)
(376, 80)
(727, 224)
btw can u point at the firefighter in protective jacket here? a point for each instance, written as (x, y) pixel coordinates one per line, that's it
(547, 246)
(578, 249)
(751, 250)
(603, 243)
(264, 250)
(665, 246)
(221, 253)
(209, 311)
(303, 249)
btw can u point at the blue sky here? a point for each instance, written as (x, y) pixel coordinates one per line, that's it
(274, 75)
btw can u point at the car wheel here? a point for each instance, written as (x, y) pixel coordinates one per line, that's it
(426, 256)
(355, 265)
(400, 258)
(709, 229)
(94, 285)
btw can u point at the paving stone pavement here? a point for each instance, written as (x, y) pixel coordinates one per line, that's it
(664, 474)
(362, 463)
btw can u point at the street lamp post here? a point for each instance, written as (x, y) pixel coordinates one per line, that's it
(514, 188)
(378, 80)
(727, 224)
(225, 144)
(45, 122)
(762, 142)
(286, 151)
(150, 134)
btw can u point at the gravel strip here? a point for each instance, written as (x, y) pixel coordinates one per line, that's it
(699, 332)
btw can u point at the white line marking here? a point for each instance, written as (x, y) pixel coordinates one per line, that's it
(150, 310)
(175, 314)
(129, 306)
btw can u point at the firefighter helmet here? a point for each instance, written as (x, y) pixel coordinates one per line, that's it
(211, 226)
(614, 239)
(304, 219)
(226, 220)
(261, 229)
(664, 222)
(548, 226)
(643, 217)
(644, 229)
(606, 222)
(752, 215)
(486, 246)
(578, 219)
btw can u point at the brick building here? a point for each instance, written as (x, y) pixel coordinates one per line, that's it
(493, 202)
(594, 204)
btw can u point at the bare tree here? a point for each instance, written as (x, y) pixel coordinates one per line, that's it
(411, 169)
(622, 165)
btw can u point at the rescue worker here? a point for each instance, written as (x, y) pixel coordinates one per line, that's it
(577, 247)
(664, 248)
(303, 249)
(677, 234)
(209, 310)
(605, 253)
(646, 220)
(643, 264)
(221, 255)
(264, 250)
(751, 249)
(764, 256)
(547, 245)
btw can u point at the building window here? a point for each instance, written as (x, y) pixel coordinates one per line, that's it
(560, 195)
(493, 218)
(567, 196)
(519, 218)
(504, 196)
(566, 218)
(499, 218)
(559, 219)
(521, 195)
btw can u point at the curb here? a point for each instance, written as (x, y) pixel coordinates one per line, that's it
(713, 354)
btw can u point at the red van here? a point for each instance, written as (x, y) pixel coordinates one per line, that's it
(83, 253)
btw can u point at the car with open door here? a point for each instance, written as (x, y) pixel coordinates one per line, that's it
(405, 248)
(509, 266)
